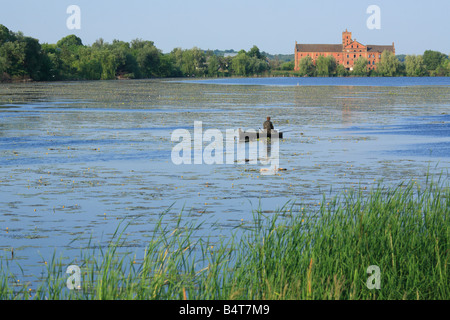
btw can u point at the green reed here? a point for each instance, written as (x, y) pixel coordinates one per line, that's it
(313, 253)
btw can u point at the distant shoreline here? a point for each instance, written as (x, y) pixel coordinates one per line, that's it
(261, 76)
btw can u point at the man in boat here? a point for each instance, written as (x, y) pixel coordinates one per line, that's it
(268, 125)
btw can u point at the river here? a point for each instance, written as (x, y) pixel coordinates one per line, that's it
(77, 158)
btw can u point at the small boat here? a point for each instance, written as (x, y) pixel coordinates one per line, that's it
(254, 135)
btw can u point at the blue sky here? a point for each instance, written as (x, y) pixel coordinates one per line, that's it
(274, 26)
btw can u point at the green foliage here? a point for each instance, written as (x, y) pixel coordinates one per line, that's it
(6, 35)
(147, 57)
(433, 59)
(127, 65)
(341, 71)
(71, 42)
(388, 65)
(401, 57)
(24, 58)
(307, 67)
(415, 66)
(213, 65)
(88, 65)
(21, 56)
(248, 63)
(167, 66)
(240, 64)
(443, 69)
(326, 66)
(360, 67)
(255, 53)
(288, 66)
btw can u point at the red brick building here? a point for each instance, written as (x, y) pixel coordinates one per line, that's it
(345, 53)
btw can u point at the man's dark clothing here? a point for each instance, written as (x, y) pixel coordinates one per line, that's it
(268, 125)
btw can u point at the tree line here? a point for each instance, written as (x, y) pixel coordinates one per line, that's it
(431, 63)
(24, 58)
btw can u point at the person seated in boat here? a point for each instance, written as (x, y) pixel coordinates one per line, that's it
(268, 125)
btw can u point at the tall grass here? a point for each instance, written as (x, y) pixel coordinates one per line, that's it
(405, 231)
(320, 253)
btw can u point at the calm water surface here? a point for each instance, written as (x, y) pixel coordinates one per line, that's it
(76, 158)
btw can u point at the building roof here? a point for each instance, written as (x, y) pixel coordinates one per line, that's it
(376, 48)
(301, 47)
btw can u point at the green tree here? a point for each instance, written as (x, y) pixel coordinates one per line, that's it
(33, 58)
(255, 53)
(341, 71)
(240, 63)
(13, 54)
(190, 62)
(257, 66)
(6, 35)
(306, 66)
(322, 66)
(225, 67)
(388, 65)
(22, 57)
(52, 64)
(446, 66)
(187, 63)
(177, 57)
(213, 65)
(147, 57)
(415, 66)
(332, 65)
(68, 52)
(325, 66)
(88, 65)
(167, 66)
(199, 57)
(249, 63)
(360, 67)
(443, 69)
(109, 65)
(70, 42)
(287, 66)
(127, 65)
(433, 59)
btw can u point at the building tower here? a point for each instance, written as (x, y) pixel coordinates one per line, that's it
(346, 38)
